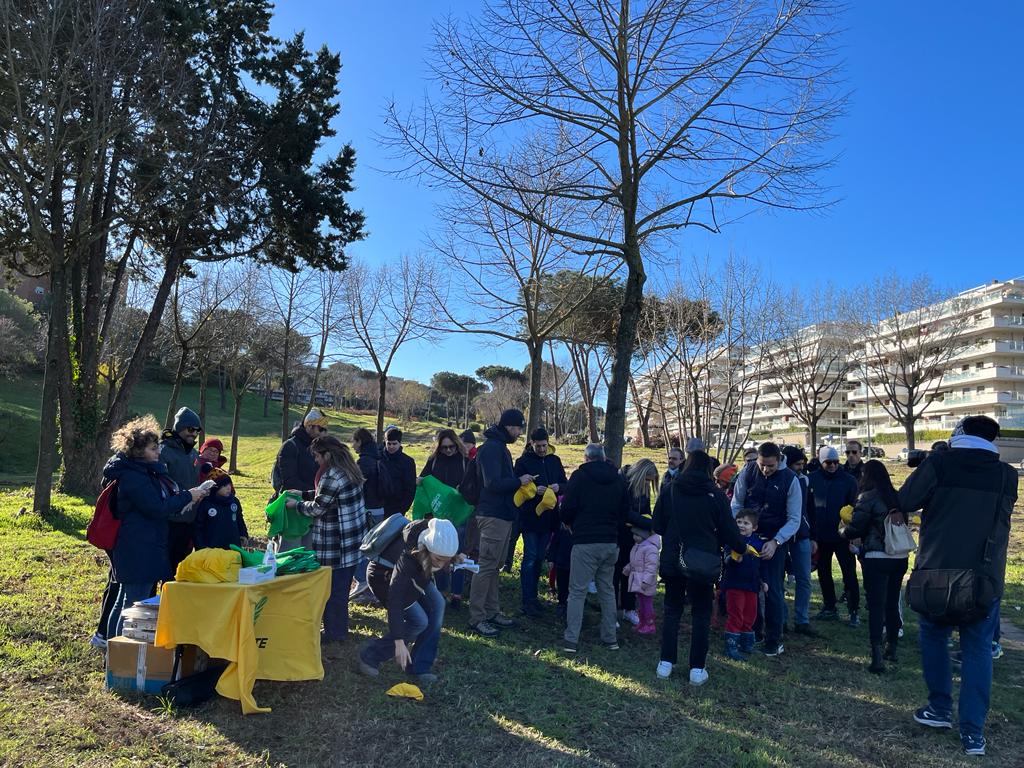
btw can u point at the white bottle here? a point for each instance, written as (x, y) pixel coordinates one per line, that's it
(270, 556)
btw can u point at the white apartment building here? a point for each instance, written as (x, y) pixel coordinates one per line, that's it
(985, 376)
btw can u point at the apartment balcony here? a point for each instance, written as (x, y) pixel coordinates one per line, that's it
(988, 348)
(995, 372)
(980, 399)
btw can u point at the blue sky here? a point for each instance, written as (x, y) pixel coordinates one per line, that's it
(929, 176)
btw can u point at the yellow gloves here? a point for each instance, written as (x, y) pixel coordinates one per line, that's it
(846, 514)
(737, 556)
(525, 493)
(915, 519)
(548, 501)
(406, 691)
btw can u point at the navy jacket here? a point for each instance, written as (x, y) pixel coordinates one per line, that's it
(219, 522)
(747, 574)
(498, 481)
(596, 503)
(295, 463)
(549, 470)
(402, 469)
(181, 462)
(369, 455)
(832, 491)
(146, 498)
(769, 496)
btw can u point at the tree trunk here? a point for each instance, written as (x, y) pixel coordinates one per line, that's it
(625, 343)
(908, 427)
(316, 374)
(382, 383)
(814, 436)
(239, 394)
(266, 395)
(203, 375)
(179, 376)
(554, 375)
(536, 349)
(222, 383)
(285, 388)
(46, 457)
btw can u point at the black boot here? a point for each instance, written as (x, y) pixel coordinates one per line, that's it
(890, 651)
(877, 665)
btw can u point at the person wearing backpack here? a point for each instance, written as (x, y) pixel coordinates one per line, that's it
(495, 512)
(147, 498)
(966, 496)
(377, 482)
(883, 572)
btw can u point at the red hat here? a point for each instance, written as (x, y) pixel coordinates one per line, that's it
(213, 442)
(724, 474)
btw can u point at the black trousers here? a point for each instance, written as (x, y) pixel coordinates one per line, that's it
(883, 580)
(848, 565)
(701, 598)
(109, 599)
(562, 585)
(625, 599)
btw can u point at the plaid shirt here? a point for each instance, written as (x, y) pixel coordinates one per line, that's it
(340, 522)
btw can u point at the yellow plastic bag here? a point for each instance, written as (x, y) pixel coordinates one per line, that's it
(406, 691)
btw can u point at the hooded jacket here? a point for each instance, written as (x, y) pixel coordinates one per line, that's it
(868, 523)
(831, 492)
(549, 470)
(295, 463)
(966, 496)
(642, 570)
(402, 469)
(448, 469)
(219, 522)
(498, 481)
(369, 455)
(693, 509)
(182, 463)
(596, 503)
(146, 498)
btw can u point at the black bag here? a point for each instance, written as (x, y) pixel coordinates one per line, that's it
(951, 595)
(696, 564)
(470, 485)
(195, 689)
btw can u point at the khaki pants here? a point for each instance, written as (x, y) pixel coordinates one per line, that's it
(591, 562)
(483, 592)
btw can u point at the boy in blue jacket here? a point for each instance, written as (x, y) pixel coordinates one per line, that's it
(219, 522)
(742, 582)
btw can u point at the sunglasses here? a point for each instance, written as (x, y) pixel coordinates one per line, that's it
(830, 462)
(852, 453)
(448, 447)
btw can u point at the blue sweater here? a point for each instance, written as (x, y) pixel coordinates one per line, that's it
(747, 574)
(219, 522)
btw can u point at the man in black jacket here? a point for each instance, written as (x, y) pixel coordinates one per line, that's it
(402, 469)
(966, 495)
(594, 508)
(495, 512)
(295, 467)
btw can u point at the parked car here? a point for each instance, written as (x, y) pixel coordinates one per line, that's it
(874, 452)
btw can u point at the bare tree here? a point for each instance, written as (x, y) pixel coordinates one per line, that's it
(914, 334)
(810, 362)
(324, 322)
(385, 308)
(292, 306)
(670, 110)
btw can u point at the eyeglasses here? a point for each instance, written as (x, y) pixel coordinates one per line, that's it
(830, 462)
(852, 453)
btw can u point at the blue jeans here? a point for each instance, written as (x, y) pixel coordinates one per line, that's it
(534, 545)
(127, 595)
(423, 621)
(774, 571)
(375, 515)
(336, 610)
(800, 551)
(975, 671)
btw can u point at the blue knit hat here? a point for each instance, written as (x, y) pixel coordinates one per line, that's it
(184, 418)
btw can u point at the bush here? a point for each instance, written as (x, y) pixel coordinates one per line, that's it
(575, 438)
(21, 333)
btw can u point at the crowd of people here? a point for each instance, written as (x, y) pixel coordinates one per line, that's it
(722, 539)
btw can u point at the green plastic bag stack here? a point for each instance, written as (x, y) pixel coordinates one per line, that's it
(298, 560)
(442, 501)
(286, 522)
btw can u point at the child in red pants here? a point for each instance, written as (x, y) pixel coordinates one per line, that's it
(642, 572)
(742, 582)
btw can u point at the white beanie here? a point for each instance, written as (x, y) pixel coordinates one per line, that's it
(440, 538)
(827, 453)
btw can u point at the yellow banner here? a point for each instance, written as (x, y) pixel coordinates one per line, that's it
(268, 631)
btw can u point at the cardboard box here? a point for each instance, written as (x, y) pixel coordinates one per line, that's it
(133, 665)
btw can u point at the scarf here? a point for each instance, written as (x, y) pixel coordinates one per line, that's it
(972, 441)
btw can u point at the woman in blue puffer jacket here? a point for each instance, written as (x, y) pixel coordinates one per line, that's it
(146, 499)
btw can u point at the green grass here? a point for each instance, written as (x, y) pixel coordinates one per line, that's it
(510, 700)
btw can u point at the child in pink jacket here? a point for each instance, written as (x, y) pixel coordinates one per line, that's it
(642, 572)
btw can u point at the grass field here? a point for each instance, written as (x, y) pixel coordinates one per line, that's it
(510, 700)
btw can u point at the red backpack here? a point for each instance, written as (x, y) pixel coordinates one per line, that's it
(103, 528)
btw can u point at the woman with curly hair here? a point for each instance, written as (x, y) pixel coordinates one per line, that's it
(146, 499)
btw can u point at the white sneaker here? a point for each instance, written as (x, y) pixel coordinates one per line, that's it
(632, 617)
(698, 676)
(98, 642)
(664, 669)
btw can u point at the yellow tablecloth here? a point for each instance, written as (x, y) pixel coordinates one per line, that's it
(268, 631)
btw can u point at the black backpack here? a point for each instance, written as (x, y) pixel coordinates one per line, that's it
(470, 485)
(378, 538)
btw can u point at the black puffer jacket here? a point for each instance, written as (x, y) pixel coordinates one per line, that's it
(448, 469)
(595, 505)
(369, 455)
(693, 509)
(868, 522)
(549, 471)
(966, 496)
(295, 464)
(498, 482)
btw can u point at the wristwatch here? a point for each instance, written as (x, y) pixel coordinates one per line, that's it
(778, 543)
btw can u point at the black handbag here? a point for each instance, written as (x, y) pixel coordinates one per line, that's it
(697, 564)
